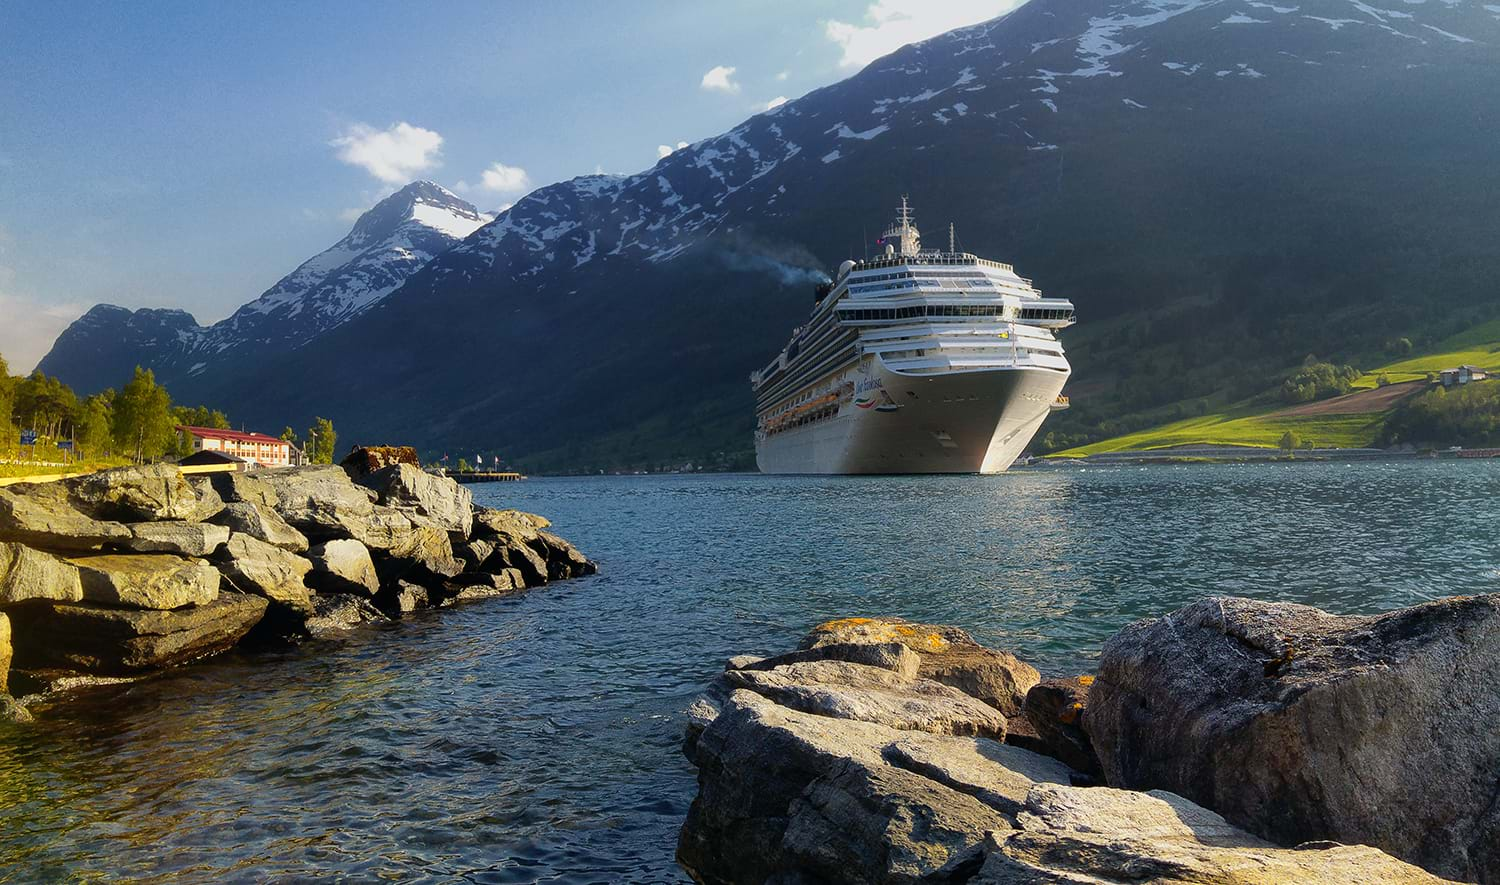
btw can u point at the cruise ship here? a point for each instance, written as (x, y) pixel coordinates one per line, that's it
(913, 361)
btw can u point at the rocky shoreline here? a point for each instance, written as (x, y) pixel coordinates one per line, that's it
(1232, 741)
(123, 573)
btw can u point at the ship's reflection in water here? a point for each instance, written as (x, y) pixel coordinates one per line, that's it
(536, 738)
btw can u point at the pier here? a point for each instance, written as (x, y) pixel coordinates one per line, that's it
(486, 476)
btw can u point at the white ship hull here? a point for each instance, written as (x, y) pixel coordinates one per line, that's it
(958, 422)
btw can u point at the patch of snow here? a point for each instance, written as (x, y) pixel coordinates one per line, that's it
(447, 221)
(846, 132)
(1451, 36)
(831, 156)
(960, 108)
(1282, 10)
(1239, 18)
(1133, 103)
(1051, 104)
(1334, 23)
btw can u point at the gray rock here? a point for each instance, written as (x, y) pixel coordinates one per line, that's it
(343, 566)
(6, 652)
(1300, 725)
(40, 514)
(209, 500)
(119, 641)
(423, 554)
(512, 525)
(135, 494)
(473, 552)
(891, 656)
(782, 792)
(872, 694)
(949, 655)
(244, 488)
(518, 555)
(1099, 835)
(339, 613)
(261, 524)
(143, 580)
(429, 500)
(1056, 709)
(182, 538)
(27, 574)
(255, 567)
(323, 503)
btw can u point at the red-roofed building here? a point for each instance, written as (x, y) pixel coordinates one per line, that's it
(262, 450)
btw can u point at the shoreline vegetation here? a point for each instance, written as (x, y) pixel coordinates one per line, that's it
(125, 572)
(1232, 741)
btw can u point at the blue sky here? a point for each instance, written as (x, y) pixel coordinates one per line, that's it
(190, 154)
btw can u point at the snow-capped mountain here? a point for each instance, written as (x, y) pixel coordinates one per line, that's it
(387, 244)
(1221, 186)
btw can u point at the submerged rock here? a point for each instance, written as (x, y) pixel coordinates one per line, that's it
(949, 655)
(32, 574)
(182, 538)
(119, 641)
(261, 523)
(339, 612)
(41, 515)
(143, 580)
(1301, 725)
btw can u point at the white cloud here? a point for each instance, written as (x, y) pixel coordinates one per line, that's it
(720, 78)
(783, 75)
(665, 150)
(30, 327)
(395, 155)
(503, 179)
(891, 24)
(776, 102)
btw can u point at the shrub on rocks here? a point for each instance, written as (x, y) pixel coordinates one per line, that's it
(1300, 725)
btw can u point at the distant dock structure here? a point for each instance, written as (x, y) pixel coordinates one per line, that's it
(485, 476)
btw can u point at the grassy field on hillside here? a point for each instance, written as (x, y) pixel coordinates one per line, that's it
(1245, 429)
(1480, 346)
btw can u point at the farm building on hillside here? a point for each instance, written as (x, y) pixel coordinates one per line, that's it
(1461, 375)
(257, 448)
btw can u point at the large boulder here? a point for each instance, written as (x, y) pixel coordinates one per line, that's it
(41, 515)
(325, 504)
(423, 554)
(140, 580)
(1301, 725)
(949, 655)
(261, 523)
(1098, 835)
(563, 559)
(181, 538)
(1055, 709)
(136, 494)
(121, 641)
(872, 694)
(27, 574)
(509, 553)
(338, 613)
(343, 566)
(244, 488)
(426, 499)
(252, 566)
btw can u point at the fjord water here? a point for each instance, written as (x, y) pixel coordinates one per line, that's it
(536, 738)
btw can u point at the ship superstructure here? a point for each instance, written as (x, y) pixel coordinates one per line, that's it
(914, 361)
